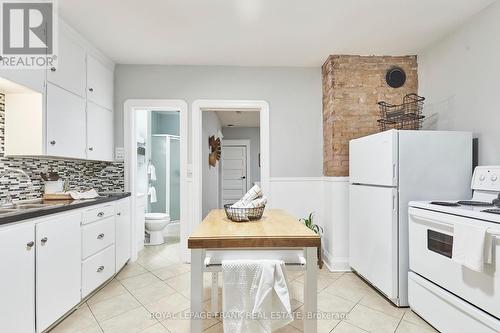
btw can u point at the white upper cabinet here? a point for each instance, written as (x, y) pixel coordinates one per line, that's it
(46, 110)
(65, 123)
(70, 70)
(99, 83)
(99, 133)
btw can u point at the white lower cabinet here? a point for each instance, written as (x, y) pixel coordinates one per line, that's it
(58, 269)
(97, 269)
(17, 278)
(49, 264)
(123, 233)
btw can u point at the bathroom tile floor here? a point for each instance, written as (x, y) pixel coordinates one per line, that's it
(157, 282)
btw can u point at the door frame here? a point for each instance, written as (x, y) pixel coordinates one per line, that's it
(198, 107)
(236, 143)
(130, 107)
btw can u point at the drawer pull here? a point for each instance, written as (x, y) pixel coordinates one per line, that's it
(100, 269)
(100, 214)
(100, 236)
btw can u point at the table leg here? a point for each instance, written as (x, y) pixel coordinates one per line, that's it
(197, 258)
(310, 291)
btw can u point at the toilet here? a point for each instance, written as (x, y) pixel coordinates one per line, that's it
(155, 224)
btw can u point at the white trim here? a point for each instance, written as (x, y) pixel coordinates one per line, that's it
(130, 106)
(197, 144)
(237, 143)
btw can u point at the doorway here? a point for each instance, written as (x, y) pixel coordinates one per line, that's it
(170, 165)
(203, 176)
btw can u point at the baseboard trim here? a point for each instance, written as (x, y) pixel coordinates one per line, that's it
(336, 264)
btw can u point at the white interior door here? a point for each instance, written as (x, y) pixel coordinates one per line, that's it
(373, 236)
(234, 173)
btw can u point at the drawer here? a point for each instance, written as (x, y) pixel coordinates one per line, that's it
(97, 269)
(99, 213)
(97, 236)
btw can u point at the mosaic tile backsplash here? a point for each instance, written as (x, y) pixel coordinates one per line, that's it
(81, 175)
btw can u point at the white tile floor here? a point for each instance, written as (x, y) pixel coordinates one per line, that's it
(158, 282)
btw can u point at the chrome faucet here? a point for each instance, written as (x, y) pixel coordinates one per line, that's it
(7, 202)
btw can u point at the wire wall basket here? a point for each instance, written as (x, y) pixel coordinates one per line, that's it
(406, 116)
(243, 214)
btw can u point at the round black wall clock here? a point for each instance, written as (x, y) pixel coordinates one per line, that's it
(395, 77)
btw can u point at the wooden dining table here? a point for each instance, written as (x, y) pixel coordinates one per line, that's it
(277, 232)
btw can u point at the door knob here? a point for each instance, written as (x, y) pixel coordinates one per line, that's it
(91, 89)
(43, 241)
(100, 269)
(30, 245)
(100, 236)
(53, 142)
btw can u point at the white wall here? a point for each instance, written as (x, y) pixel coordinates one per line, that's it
(460, 77)
(294, 96)
(252, 134)
(210, 187)
(328, 199)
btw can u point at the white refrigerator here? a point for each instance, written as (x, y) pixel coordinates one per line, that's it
(387, 170)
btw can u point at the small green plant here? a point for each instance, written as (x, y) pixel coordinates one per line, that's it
(308, 222)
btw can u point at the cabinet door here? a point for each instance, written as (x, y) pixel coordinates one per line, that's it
(33, 79)
(70, 70)
(99, 83)
(65, 123)
(58, 267)
(123, 233)
(99, 133)
(17, 279)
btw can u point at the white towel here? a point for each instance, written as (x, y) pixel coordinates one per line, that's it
(254, 293)
(90, 194)
(152, 194)
(472, 246)
(254, 193)
(152, 172)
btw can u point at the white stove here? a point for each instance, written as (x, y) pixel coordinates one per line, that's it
(448, 295)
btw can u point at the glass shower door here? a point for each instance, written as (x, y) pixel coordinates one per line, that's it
(175, 178)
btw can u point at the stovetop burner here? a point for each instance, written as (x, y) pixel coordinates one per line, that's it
(445, 203)
(474, 203)
(493, 211)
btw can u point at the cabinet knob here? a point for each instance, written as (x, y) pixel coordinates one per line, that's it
(100, 214)
(52, 69)
(30, 245)
(43, 241)
(91, 148)
(119, 214)
(91, 89)
(100, 236)
(100, 269)
(53, 142)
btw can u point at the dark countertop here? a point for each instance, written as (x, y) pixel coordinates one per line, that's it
(57, 206)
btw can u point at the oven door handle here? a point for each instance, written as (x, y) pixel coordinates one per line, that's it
(449, 225)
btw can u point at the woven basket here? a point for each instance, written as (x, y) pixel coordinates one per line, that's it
(243, 214)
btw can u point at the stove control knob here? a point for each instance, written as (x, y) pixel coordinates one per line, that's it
(482, 178)
(494, 178)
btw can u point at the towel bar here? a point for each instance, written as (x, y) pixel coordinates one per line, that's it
(302, 262)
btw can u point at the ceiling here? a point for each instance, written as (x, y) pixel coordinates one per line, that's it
(239, 118)
(262, 32)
